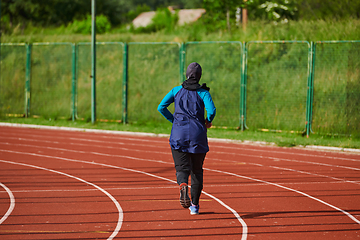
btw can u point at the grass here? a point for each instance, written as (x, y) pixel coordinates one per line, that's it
(282, 139)
(320, 30)
(221, 76)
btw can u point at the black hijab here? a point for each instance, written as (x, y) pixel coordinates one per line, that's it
(193, 75)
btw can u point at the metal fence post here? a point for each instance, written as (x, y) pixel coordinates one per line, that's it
(27, 79)
(182, 61)
(313, 49)
(73, 87)
(243, 88)
(125, 83)
(310, 89)
(93, 61)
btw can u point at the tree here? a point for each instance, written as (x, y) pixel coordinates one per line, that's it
(325, 9)
(58, 12)
(219, 12)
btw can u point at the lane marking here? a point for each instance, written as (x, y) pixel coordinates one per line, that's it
(242, 222)
(120, 218)
(297, 171)
(158, 161)
(219, 171)
(293, 160)
(289, 189)
(36, 231)
(12, 203)
(175, 187)
(215, 151)
(154, 135)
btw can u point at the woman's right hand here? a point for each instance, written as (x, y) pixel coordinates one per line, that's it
(208, 124)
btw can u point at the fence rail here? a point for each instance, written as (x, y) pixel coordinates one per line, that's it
(275, 85)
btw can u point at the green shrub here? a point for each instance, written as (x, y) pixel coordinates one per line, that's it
(163, 19)
(132, 14)
(84, 26)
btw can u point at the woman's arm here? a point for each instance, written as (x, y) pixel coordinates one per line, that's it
(162, 108)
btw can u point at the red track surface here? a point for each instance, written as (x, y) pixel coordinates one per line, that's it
(66, 185)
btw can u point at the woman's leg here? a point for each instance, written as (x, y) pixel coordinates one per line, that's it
(183, 169)
(197, 161)
(182, 166)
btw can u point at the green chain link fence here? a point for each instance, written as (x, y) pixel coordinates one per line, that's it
(51, 80)
(221, 64)
(273, 85)
(12, 79)
(153, 72)
(337, 88)
(277, 80)
(109, 81)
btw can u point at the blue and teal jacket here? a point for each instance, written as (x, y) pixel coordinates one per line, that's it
(188, 133)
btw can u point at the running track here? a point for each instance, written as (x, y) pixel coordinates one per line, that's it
(58, 184)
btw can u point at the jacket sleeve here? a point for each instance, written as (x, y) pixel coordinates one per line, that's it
(209, 105)
(162, 108)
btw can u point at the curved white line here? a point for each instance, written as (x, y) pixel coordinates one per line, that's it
(242, 222)
(289, 189)
(12, 203)
(120, 219)
(223, 172)
(215, 151)
(292, 170)
(112, 155)
(262, 181)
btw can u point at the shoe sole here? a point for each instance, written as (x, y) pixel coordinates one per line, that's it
(184, 197)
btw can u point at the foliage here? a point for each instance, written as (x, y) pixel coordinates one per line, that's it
(274, 10)
(21, 14)
(62, 12)
(280, 10)
(132, 14)
(102, 25)
(277, 10)
(259, 30)
(328, 9)
(163, 19)
(216, 12)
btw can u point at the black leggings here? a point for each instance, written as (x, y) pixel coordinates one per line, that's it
(190, 164)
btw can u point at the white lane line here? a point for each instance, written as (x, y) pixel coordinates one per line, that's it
(242, 222)
(219, 171)
(289, 189)
(214, 151)
(158, 161)
(216, 140)
(273, 150)
(169, 187)
(120, 219)
(341, 180)
(292, 160)
(258, 180)
(12, 203)
(228, 153)
(347, 158)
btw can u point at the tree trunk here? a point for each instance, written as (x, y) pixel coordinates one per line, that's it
(228, 20)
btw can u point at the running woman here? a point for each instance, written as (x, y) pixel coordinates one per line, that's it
(188, 139)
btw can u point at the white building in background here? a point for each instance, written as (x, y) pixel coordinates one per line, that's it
(185, 16)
